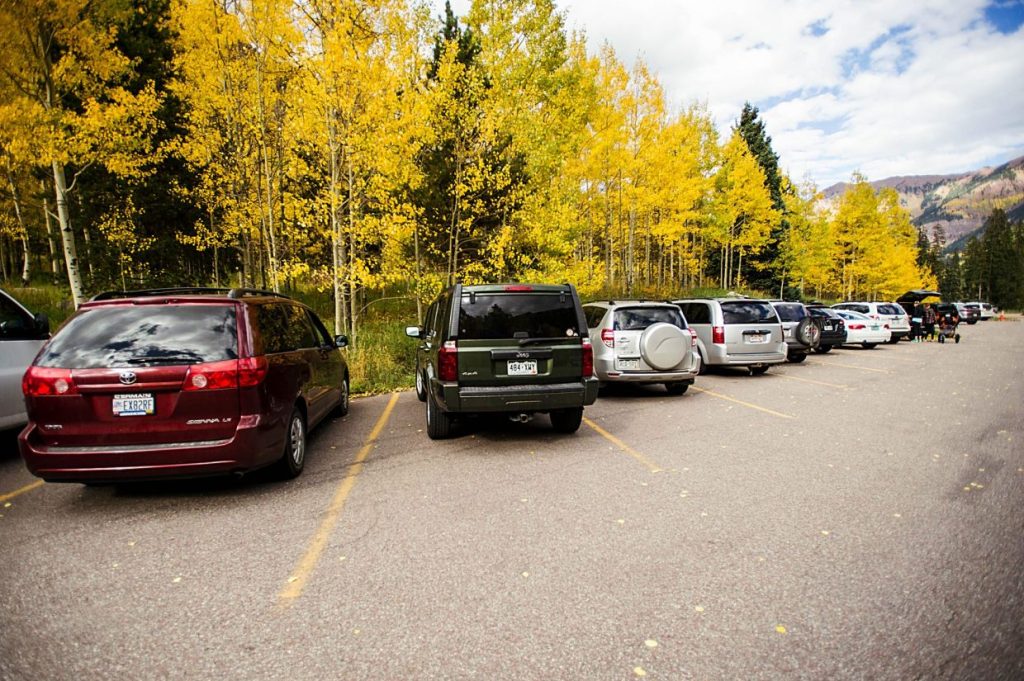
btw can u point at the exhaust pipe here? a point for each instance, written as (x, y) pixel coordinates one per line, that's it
(520, 418)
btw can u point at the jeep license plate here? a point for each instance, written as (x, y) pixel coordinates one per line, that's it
(523, 368)
(136, 404)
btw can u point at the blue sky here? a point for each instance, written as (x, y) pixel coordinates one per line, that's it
(880, 87)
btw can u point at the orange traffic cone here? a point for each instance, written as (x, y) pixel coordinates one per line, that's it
(1002, 316)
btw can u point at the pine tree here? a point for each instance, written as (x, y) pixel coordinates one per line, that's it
(766, 267)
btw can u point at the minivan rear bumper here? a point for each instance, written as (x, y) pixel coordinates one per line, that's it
(718, 356)
(525, 398)
(245, 450)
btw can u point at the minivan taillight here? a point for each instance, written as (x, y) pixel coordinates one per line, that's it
(718, 334)
(231, 373)
(693, 338)
(40, 381)
(608, 338)
(448, 361)
(588, 357)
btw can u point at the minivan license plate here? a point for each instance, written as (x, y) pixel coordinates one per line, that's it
(136, 404)
(757, 338)
(523, 368)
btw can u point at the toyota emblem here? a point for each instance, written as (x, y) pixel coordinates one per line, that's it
(128, 377)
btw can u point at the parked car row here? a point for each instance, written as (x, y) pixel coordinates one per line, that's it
(190, 382)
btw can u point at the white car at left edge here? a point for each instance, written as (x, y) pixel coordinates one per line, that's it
(22, 334)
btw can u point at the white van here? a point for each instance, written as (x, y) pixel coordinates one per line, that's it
(22, 334)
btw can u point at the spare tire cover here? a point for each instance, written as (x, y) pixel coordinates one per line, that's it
(808, 333)
(663, 346)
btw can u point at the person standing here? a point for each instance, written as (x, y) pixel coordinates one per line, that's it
(915, 323)
(929, 322)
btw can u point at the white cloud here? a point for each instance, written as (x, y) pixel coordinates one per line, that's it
(886, 88)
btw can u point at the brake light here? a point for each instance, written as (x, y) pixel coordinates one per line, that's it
(855, 326)
(693, 338)
(40, 381)
(608, 338)
(212, 376)
(448, 361)
(588, 358)
(518, 287)
(252, 371)
(718, 335)
(886, 326)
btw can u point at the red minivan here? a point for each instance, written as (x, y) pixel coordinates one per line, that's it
(181, 383)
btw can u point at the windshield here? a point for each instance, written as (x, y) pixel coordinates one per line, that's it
(123, 335)
(517, 315)
(749, 312)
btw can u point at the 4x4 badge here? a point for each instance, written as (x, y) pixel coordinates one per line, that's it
(128, 377)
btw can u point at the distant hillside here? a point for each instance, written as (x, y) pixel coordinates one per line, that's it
(960, 203)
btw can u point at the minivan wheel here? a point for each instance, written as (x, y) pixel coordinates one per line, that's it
(341, 409)
(758, 371)
(868, 346)
(567, 420)
(293, 460)
(439, 423)
(797, 357)
(676, 388)
(421, 390)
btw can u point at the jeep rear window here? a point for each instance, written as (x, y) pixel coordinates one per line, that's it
(517, 315)
(749, 312)
(790, 313)
(639, 318)
(140, 335)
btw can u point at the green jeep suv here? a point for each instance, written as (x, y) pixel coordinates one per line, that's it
(504, 348)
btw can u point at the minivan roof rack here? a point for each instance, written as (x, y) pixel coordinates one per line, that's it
(185, 290)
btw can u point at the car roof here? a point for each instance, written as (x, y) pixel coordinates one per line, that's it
(184, 295)
(632, 303)
(513, 287)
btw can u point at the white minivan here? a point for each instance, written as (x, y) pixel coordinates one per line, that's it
(22, 334)
(891, 315)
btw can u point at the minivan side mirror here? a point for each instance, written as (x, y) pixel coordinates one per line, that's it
(341, 341)
(42, 325)
(414, 331)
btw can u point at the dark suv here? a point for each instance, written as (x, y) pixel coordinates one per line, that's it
(181, 383)
(507, 348)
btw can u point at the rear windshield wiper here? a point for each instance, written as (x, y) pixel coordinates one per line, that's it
(531, 341)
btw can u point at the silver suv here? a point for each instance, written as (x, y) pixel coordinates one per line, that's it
(743, 332)
(642, 342)
(802, 333)
(892, 315)
(21, 336)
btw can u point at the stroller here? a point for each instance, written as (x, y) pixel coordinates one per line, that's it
(947, 327)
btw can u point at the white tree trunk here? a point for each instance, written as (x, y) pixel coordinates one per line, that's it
(67, 235)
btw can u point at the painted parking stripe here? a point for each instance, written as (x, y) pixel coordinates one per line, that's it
(811, 380)
(21, 490)
(299, 577)
(745, 404)
(651, 466)
(850, 366)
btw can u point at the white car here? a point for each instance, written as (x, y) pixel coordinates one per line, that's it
(863, 330)
(890, 314)
(985, 309)
(21, 336)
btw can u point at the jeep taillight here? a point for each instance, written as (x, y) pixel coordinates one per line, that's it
(608, 338)
(718, 334)
(588, 357)
(40, 381)
(448, 362)
(231, 373)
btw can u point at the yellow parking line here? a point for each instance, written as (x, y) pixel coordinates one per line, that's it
(811, 380)
(21, 490)
(745, 404)
(651, 466)
(850, 366)
(297, 580)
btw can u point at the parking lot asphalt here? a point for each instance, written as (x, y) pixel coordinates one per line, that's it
(857, 516)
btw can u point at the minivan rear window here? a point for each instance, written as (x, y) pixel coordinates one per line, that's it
(639, 318)
(518, 315)
(889, 309)
(749, 312)
(130, 335)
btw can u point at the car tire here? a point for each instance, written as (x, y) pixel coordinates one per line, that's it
(293, 458)
(676, 388)
(703, 364)
(894, 340)
(796, 357)
(567, 420)
(868, 346)
(807, 332)
(822, 349)
(341, 409)
(439, 423)
(759, 371)
(421, 386)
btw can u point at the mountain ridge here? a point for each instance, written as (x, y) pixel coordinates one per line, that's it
(959, 203)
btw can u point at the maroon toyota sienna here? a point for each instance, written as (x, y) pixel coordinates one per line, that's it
(181, 383)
